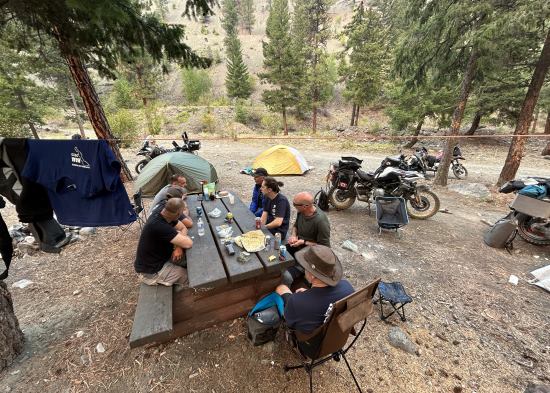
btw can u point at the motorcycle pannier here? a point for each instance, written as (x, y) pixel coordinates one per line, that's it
(502, 233)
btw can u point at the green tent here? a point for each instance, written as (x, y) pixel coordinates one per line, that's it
(156, 174)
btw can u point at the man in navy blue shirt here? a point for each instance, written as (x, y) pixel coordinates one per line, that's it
(276, 214)
(307, 309)
(257, 204)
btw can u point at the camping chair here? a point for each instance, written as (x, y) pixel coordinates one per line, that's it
(394, 294)
(140, 211)
(328, 340)
(391, 213)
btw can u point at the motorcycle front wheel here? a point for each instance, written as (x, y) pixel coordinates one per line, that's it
(460, 171)
(425, 207)
(341, 199)
(531, 229)
(140, 165)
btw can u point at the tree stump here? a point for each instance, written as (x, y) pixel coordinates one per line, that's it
(11, 336)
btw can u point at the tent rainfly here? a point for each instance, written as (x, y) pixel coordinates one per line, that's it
(156, 174)
(282, 160)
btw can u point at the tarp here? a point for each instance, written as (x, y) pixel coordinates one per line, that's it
(281, 160)
(156, 174)
(542, 277)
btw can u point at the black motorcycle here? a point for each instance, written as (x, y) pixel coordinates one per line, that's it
(532, 214)
(423, 162)
(149, 152)
(347, 182)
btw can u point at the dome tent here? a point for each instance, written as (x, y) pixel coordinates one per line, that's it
(156, 174)
(281, 160)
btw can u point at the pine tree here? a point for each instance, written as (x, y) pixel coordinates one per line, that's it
(280, 63)
(237, 80)
(311, 30)
(230, 20)
(246, 15)
(364, 59)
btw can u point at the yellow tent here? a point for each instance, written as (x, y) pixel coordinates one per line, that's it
(281, 160)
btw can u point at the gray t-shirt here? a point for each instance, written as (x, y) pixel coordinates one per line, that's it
(315, 228)
(161, 195)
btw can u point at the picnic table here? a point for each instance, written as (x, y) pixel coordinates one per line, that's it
(220, 287)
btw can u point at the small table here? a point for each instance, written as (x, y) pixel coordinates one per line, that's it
(220, 287)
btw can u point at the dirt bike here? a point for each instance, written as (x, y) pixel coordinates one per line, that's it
(423, 162)
(532, 214)
(149, 151)
(347, 183)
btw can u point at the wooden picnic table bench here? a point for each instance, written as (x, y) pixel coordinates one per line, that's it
(220, 287)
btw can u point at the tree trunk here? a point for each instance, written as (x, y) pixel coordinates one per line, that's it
(442, 174)
(356, 120)
(415, 135)
(76, 111)
(33, 130)
(351, 123)
(11, 336)
(314, 119)
(546, 150)
(475, 124)
(285, 125)
(535, 120)
(517, 146)
(94, 109)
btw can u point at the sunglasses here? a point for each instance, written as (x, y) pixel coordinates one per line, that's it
(300, 204)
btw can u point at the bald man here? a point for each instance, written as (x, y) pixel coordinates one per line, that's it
(311, 227)
(161, 244)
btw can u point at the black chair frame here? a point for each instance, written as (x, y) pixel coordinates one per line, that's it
(309, 366)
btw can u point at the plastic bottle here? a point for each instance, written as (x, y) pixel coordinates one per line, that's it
(200, 227)
(277, 241)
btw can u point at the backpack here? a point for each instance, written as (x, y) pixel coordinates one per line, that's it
(321, 199)
(264, 319)
(502, 233)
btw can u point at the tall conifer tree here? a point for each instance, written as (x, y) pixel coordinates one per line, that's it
(280, 62)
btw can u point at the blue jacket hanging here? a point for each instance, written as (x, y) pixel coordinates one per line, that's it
(82, 179)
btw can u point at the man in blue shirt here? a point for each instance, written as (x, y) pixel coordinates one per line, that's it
(256, 206)
(307, 309)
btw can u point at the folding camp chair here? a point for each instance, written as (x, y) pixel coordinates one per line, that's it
(328, 341)
(391, 213)
(394, 294)
(139, 209)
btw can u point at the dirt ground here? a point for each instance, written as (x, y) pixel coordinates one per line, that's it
(475, 331)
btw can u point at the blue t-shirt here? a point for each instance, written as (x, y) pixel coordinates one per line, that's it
(306, 311)
(82, 179)
(278, 207)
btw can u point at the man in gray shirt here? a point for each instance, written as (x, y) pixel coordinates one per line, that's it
(178, 181)
(311, 227)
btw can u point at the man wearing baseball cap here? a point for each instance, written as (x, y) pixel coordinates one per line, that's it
(306, 309)
(256, 206)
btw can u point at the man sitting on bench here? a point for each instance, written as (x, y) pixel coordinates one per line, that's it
(161, 246)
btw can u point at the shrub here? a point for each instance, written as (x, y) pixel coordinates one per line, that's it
(153, 118)
(208, 123)
(196, 84)
(124, 126)
(121, 97)
(271, 123)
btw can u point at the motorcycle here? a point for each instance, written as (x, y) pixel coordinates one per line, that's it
(149, 151)
(532, 214)
(423, 162)
(347, 183)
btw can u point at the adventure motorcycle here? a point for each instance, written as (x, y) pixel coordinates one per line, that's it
(423, 162)
(347, 182)
(531, 212)
(149, 152)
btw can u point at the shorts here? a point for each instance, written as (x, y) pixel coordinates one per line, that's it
(169, 275)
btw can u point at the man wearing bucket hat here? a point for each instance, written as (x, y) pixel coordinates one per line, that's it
(256, 206)
(306, 309)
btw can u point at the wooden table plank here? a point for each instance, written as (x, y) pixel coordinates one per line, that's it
(246, 221)
(205, 267)
(236, 270)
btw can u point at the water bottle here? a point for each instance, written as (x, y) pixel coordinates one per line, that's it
(200, 227)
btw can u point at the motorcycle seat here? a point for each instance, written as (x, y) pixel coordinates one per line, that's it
(458, 158)
(365, 175)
